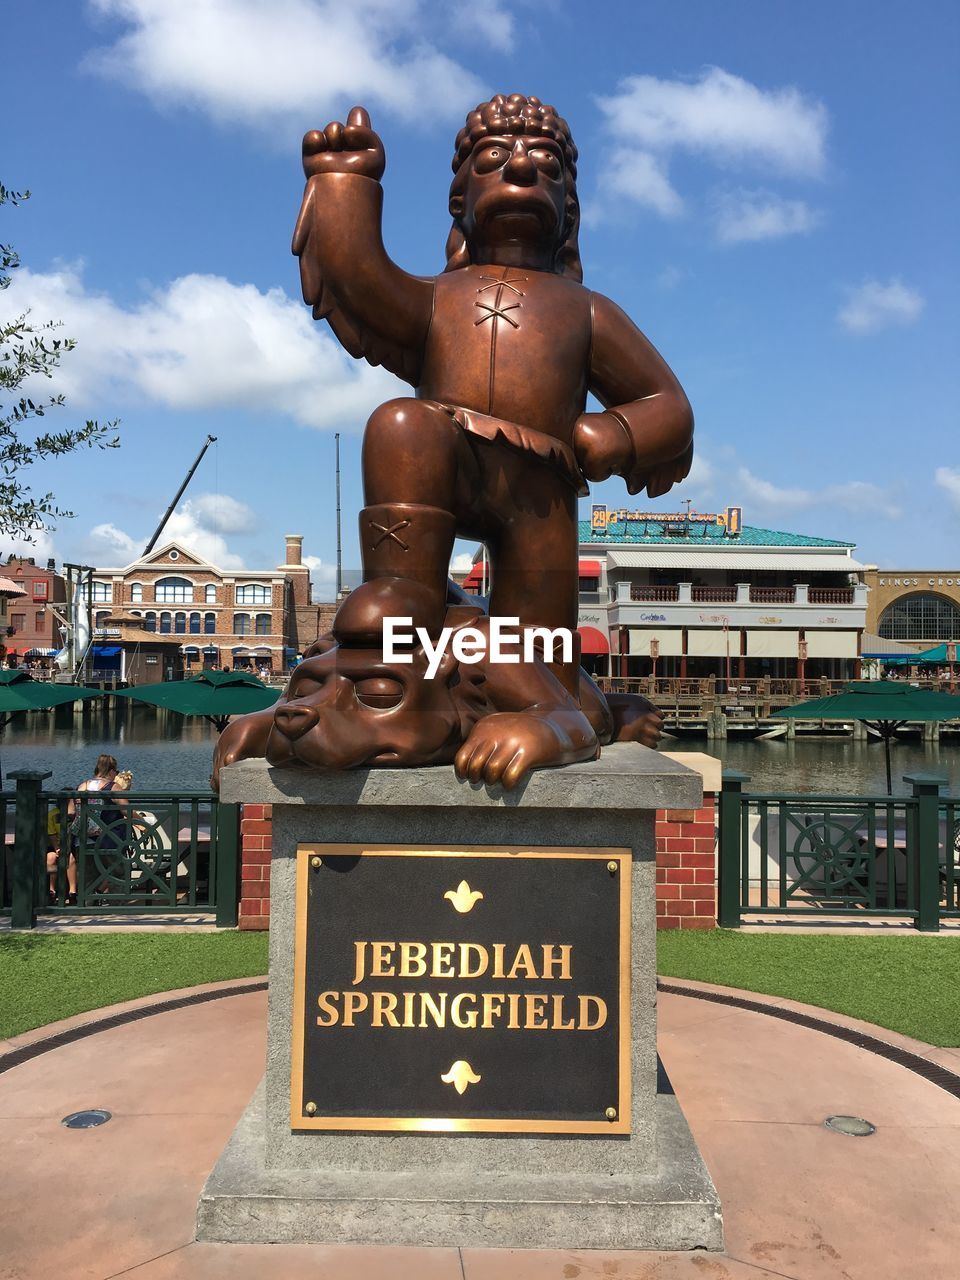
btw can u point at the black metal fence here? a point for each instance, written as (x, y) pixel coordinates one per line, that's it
(856, 856)
(119, 853)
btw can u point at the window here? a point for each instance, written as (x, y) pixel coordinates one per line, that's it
(210, 593)
(253, 593)
(241, 624)
(41, 590)
(921, 617)
(102, 592)
(18, 621)
(165, 621)
(101, 617)
(39, 618)
(209, 624)
(194, 624)
(263, 624)
(173, 591)
(151, 622)
(180, 624)
(136, 592)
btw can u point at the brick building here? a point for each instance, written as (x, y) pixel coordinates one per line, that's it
(172, 612)
(31, 628)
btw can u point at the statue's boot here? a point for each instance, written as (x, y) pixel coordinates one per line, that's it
(406, 550)
(568, 673)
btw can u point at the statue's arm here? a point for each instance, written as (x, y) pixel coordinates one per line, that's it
(645, 433)
(376, 309)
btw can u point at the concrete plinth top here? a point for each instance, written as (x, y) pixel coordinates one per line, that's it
(626, 777)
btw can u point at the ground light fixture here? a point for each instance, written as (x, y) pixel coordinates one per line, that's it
(86, 1119)
(852, 1126)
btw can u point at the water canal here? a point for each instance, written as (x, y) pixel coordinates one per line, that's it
(170, 752)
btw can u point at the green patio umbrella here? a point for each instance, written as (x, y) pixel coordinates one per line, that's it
(215, 695)
(884, 705)
(20, 692)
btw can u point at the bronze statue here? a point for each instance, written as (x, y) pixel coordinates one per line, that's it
(502, 349)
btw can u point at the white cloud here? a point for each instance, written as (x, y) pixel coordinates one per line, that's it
(220, 513)
(491, 21)
(113, 545)
(462, 563)
(851, 495)
(760, 215)
(670, 277)
(108, 546)
(323, 575)
(724, 118)
(642, 178)
(873, 305)
(948, 478)
(287, 63)
(203, 343)
(41, 548)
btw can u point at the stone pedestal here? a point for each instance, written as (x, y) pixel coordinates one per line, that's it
(644, 1190)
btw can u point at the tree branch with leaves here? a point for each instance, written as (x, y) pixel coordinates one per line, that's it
(30, 351)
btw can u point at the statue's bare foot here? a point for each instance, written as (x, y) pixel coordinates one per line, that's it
(635, 719)
(506, 745)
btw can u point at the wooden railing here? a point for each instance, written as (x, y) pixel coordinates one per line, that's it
(713, 595)
(830, 595)
(661, 594)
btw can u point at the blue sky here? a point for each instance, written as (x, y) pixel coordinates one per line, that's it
(769, 189)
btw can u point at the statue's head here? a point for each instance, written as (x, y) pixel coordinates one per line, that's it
(515, 177)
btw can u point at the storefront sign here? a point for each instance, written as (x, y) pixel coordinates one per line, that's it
(465, 990)
(731, 519)
(917, 582)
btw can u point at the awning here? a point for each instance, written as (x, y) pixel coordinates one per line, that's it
(773, 644)
(475, 577)
(831, 644)
(670, 642)
(714, 643)
(10, 588)
(874, 646)
(106, 650)
(590, 569)
(39, 653)
(710, 558)
(592, 641)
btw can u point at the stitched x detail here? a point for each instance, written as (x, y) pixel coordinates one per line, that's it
(497, 313)
(390, 532)
(506, 284)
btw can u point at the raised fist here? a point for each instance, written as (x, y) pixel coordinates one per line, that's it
(344, 148)
(602, 446)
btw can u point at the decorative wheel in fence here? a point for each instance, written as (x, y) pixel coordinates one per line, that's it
(130, 856)
(829, 858)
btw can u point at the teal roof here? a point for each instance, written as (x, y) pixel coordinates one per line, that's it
(640, 533)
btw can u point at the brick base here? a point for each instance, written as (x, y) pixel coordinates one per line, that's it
(686, 867)
(256, 844)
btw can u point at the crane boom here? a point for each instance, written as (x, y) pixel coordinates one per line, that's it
(179, 494)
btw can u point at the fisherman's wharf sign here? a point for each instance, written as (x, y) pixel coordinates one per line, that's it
(475, 990)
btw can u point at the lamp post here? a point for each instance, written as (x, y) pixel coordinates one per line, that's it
(801, 664)
(654, 655)
(951, 659)
(726, 637)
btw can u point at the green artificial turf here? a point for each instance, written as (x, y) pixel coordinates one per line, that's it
(907, 984)
(44, 978)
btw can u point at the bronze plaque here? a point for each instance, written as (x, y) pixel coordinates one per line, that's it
(462, 990)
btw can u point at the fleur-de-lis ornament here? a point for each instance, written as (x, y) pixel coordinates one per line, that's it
(463, 897)
(460, 1075)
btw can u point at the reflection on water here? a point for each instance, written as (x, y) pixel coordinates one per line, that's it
(168, 752)
(831, 766)
(163, 751)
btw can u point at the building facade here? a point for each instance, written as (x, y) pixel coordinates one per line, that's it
(32, 628)
(920, 607)
(172, 611)
(694, 595)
